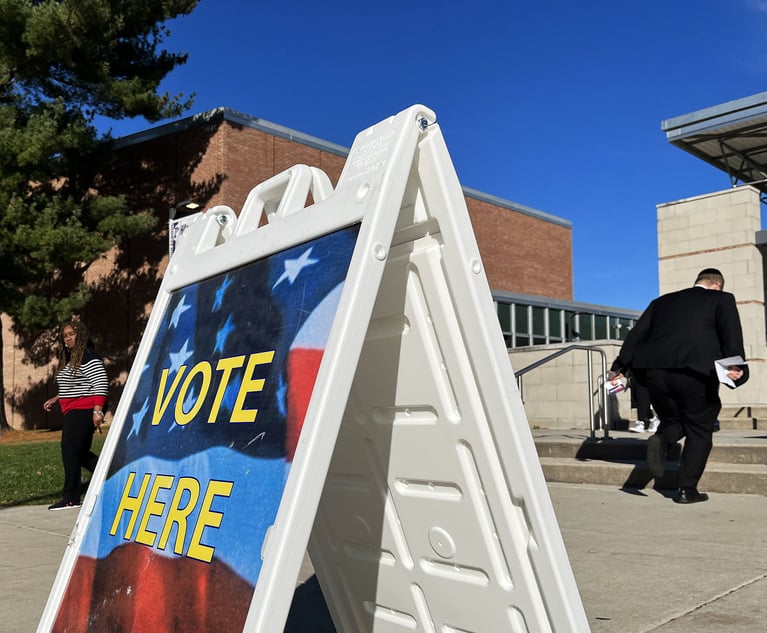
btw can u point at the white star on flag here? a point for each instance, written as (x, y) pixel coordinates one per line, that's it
(179, 358)
(220, 292)
(180, 309)
(138, 418)
(295, 266)
(222, 335)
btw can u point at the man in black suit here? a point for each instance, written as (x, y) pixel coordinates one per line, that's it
(672, 349)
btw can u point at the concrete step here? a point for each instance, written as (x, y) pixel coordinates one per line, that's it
(718, 477)
(635, 448)
(743, 424)
(727, 423)
(731, 418)
(743, 417)
(745, 411)
(737, 464)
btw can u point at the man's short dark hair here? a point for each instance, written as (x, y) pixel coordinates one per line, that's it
(711, 275)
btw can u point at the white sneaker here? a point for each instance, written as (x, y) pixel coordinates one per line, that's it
(638, 427)
(654, 424)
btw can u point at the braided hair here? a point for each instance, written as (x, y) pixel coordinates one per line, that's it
(73, 357)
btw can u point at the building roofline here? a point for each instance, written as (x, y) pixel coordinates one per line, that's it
(515, 206)
(563, 304)
(240, 118)
(715, 116)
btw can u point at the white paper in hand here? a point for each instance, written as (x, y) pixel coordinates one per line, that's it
(722, 365)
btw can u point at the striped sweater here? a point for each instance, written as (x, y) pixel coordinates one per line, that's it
(84, 388)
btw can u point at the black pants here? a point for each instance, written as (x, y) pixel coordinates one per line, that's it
(688, 405)
(640, 400)
(76, 441)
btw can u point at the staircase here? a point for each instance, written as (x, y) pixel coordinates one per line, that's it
(737, 464)
(744, 418)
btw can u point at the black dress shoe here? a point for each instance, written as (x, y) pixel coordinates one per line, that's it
(656, 455)
(690, 495)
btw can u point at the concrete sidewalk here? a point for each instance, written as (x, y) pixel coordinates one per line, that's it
(643, 563)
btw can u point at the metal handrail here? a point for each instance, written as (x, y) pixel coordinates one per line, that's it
(604, 410)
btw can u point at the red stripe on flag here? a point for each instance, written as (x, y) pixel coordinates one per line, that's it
(135, 589)
(303, 365)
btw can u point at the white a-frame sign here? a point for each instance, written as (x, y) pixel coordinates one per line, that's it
(335, 377)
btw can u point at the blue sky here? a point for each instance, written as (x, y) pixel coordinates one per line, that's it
(555, 104)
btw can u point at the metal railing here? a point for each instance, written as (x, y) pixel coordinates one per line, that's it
(600, 419)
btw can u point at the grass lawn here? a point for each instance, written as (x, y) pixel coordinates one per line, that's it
(31, 472)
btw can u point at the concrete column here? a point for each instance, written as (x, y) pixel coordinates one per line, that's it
(718, 230)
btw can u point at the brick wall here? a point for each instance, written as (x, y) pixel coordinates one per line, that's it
(522, 253)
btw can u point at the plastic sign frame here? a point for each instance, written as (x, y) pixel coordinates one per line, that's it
(403, 456)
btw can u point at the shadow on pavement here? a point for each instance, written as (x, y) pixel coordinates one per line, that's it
(309, 611)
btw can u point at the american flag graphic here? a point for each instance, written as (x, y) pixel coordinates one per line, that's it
(199, 468)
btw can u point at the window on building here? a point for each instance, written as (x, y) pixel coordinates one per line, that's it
(539, 325)
(504, 317)
(600, 326)
(521, 325)
(571, 326)
(622, 327)
(555, 325)
(585, 326)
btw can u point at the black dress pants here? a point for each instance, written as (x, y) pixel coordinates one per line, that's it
(76, 441)
(640, 400)
(688, 405)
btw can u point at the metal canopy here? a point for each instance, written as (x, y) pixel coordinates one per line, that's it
(731, 136)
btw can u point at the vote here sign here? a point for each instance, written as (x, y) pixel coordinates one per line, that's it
(199, 468)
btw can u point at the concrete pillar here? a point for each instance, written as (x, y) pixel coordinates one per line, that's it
(718, 230)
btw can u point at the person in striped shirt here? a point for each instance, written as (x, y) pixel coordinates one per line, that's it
(82, 396)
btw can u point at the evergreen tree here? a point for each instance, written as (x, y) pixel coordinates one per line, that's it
(63, 63)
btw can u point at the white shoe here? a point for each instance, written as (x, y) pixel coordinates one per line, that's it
(654, 424)
(638, 427)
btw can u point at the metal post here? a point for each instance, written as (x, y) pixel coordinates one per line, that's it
(590, 382)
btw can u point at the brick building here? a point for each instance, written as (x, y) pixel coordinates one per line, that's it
(219, 156)
(216, 158)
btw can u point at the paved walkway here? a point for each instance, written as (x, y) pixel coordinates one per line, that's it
(643, 564)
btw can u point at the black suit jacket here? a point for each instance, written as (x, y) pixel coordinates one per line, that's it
(687, 329)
